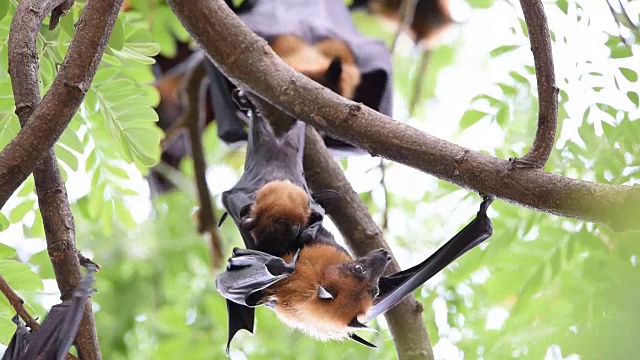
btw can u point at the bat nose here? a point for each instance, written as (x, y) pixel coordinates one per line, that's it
(385, 254)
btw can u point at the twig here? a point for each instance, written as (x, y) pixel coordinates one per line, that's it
(17, 304)
(419, 84)
(194, 100)
(408, 10)
(387, 196)
(540, 39)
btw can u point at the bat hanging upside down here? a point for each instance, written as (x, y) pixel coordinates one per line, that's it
(293, 265)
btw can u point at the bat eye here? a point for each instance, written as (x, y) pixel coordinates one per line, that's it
(358, 269)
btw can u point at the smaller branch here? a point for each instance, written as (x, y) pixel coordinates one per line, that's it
(635, 28)
(194, 99)
(540, 39)
(17, 304)
(419, 84)
(383, 181)
(408, 10)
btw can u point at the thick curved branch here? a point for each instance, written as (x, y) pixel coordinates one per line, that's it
(194, 99)
(540, 39)
(52, 195)
(20, 157)
(357, 227)
(247, 59)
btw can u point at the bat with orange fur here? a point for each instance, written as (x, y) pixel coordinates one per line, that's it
(293, 265)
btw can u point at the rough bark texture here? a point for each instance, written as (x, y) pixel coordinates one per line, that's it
(34, 145)
(249, 61)
(540, 39)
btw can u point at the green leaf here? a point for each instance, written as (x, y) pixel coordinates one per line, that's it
(116, 40)
(480, 4)
(5, 250)
(471, 117)
(20, 211)
(4, 9)
(502, 117)
(67, 24)
(37, 229)
(629, 74)
(563, 5)
(19, 276)
(67, 157)
(123, 214)
(502, 50)
(4, 222)
(633, 96)
(71, 140)
(617, 48)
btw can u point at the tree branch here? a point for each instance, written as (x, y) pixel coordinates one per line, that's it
(20, 157)
(249, 61)
(17, 304)
(407, 11)
(540, 39)
(52, 195)
(194, 92)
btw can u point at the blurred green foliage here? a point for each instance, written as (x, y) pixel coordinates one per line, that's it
(541, 285)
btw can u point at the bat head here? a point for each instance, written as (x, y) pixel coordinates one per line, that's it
(280, 210)
(329, 290)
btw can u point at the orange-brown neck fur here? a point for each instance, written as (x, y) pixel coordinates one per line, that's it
(279, 201)
(314, 60)
(297, 301)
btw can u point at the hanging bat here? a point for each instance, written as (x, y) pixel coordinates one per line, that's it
(322, 291)
(53, 340)
(319, 39)
(430, 18)
(270, 204)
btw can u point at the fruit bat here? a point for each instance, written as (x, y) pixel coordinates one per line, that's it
(430, 18)
(298, 269)
(319, 39)
(274, 211)
(53, 340)
(322, 291)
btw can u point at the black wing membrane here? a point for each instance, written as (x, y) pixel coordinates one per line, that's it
(396, 287)
(19, 341)
(55, 336)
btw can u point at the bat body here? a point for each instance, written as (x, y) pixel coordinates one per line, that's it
(269, 204)
(53, 340)
(325, 293)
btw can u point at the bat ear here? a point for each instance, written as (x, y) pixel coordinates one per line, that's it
(247, 223)
(324, 294)
(294, 231)
(334, 72)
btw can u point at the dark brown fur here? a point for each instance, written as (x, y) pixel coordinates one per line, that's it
(431, 17)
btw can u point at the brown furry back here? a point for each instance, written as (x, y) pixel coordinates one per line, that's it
(279, 201)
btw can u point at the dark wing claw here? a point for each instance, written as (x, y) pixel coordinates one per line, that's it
(362, 341)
